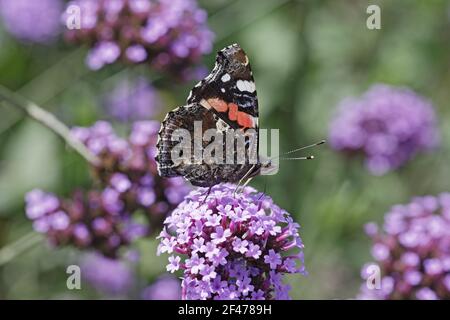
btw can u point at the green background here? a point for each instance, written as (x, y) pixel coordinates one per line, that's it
(306, 56)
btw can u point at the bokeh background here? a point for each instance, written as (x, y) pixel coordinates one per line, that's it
(306, 57)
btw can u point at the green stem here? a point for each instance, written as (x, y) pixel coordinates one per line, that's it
(18, 247)
(49, 120)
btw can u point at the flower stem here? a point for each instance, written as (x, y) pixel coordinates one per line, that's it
(49, 120)
(16, 248)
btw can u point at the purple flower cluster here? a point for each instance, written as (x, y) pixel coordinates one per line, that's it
(413, 251)
(102, 219)
(108, 276)
(387, 125)
(133, 100)
(84, 221)
(33, 21)
(234, 246)
(171, 35)
(164, 288)
(128, 171)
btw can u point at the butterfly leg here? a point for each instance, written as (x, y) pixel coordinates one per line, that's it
(246, 183)
(265, 189)
(243, 179)
(206, 195)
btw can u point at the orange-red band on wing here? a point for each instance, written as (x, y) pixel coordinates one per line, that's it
(233, 111)
(243, 119)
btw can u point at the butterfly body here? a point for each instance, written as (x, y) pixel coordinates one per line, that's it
(226, 102)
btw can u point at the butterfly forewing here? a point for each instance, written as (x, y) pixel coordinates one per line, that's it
(230, 89)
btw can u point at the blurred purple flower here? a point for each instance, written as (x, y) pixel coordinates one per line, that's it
(413, 251)
(105, 52)
(83, 221)
(387, 125)
(164, 288)
(102, 219)
(171, 35)
(129, 170)
(133, 100)
(30, 20)
(108, 276)
(244, 257)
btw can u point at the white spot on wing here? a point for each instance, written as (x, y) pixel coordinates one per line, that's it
(251, 86)
(244, 85)
(226, 77)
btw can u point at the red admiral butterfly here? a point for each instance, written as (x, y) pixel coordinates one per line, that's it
(226, 99)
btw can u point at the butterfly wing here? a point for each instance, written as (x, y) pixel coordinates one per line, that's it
(226, 99)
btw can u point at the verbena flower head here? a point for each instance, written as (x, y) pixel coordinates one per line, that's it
(133, 100)
(128, 171)
(171, 35)
(412, 251)
(232, 246)
(34, 21)
(387, 125)
(108, 276)
(164, 288)
(84, 221)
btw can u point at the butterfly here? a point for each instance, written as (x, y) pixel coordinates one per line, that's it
(225, 100)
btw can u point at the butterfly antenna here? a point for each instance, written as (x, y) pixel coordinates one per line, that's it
(299, 158)
(307, 147)
(299, 149)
